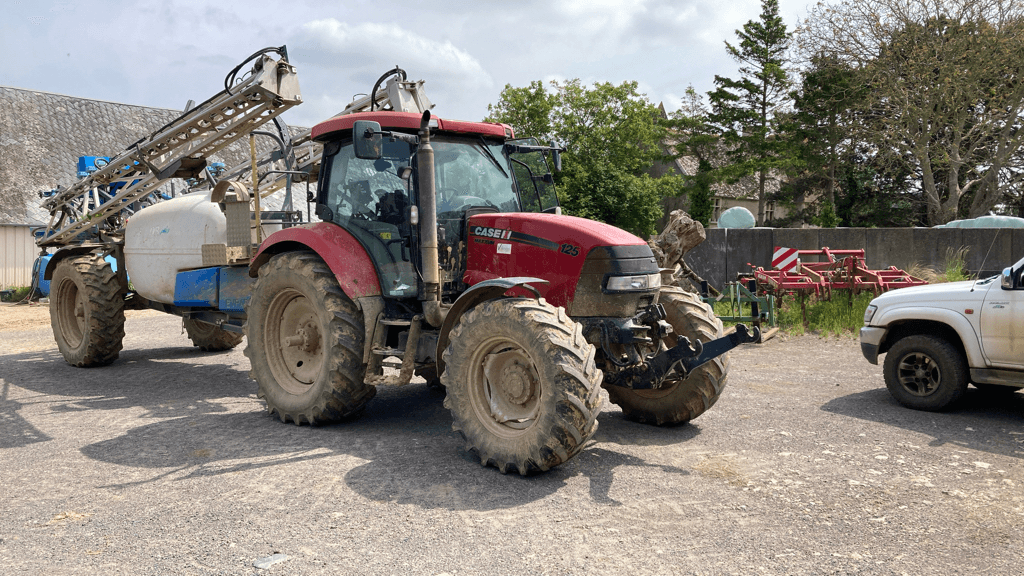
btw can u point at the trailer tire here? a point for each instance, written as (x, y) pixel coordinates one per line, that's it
(305, 342)
(87, 311)
(210, 338)
(684, 399)
(543, 367)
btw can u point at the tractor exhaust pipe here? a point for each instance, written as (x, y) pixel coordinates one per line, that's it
(433, 311)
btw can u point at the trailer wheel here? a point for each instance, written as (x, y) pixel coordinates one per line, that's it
(210, 338)
(522, 386)
(681, 400)
(925, 373)
(305, 342)
(87, 311)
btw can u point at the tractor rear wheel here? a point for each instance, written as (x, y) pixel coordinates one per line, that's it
(522, 385)
(210, 338)
(87, 311)
(305, 342)
(681, 399)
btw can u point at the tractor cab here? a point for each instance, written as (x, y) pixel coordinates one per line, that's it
(376, 197)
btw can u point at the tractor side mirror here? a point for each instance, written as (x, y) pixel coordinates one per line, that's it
(367, 139)
(556, 157)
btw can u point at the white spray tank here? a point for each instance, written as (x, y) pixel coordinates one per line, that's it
(166, 238)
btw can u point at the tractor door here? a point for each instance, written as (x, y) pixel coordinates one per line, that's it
(370, 200)
(534, 181)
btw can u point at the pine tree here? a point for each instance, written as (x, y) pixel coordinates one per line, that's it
(745, 110)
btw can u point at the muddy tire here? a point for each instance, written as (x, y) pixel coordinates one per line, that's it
(87, 311)
(523, 388)
(681, 400)
(210, 338)
(305, 342)
(925, 373)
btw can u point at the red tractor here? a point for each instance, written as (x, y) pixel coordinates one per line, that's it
(442, 244)
(441, 251)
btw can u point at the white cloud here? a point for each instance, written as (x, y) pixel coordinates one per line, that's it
(337, 60)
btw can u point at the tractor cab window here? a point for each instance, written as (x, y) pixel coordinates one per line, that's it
(536, 187)
(367, 198)
(471, 173)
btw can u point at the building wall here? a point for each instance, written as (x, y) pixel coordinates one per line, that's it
(20, 251)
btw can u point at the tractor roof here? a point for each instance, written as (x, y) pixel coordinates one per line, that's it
(410, 121)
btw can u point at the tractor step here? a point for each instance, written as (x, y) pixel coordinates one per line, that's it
(396, 322)
(388, 352)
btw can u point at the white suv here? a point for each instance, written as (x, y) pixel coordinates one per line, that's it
(938, 338)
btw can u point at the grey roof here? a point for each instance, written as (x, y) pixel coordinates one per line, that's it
(745, 187)
(43, 134)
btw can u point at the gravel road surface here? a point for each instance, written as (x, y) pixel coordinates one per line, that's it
(166, 463)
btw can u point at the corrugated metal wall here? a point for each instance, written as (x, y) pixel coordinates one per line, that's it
(17, 252)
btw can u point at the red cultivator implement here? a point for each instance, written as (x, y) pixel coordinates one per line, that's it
(841, 270)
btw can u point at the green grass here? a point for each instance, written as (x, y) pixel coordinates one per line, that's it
(17, 294)
(826, 317)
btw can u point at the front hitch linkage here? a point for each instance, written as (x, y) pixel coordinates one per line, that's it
(683, 357)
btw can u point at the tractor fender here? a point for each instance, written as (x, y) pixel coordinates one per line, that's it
(480, 292)
(64, 254)
(342, 253)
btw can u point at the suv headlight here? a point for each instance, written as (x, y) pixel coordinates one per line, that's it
(633, 283)
(869, 313)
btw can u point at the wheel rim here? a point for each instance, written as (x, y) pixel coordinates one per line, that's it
(918, 374)
(505, 387)
(295, 350)
(71, 312)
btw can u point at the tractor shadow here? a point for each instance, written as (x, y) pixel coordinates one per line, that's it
(984, 421)
(410, 453)
(200, 418)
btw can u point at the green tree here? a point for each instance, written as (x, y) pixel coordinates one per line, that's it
(745, 111)
(612, 135)
(945, 89)
(822, 119)
(696, 138)
(526, 109)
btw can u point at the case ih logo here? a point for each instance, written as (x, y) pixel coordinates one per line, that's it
(492, 233)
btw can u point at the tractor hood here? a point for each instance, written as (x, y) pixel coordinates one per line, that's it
(549, 246)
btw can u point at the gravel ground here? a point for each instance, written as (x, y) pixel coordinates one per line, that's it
(166, 463)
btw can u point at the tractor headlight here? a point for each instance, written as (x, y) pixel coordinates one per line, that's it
(869, 313)
(634, 283)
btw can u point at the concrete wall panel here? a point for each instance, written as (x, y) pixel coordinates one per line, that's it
(708, 260)
(799, 238)
(931, 245)
(746, 247)
(995, 243)
(884, 247)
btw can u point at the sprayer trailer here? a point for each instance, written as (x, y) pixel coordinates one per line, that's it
(440, 251)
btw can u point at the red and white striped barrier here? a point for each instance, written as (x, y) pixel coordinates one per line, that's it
(785, 259)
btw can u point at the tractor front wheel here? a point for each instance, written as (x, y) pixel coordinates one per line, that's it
(522, 385)
(210, 338)
(87, 311)
(305, 342)
(680, 399)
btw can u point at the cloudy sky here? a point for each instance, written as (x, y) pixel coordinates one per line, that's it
(163, 54)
